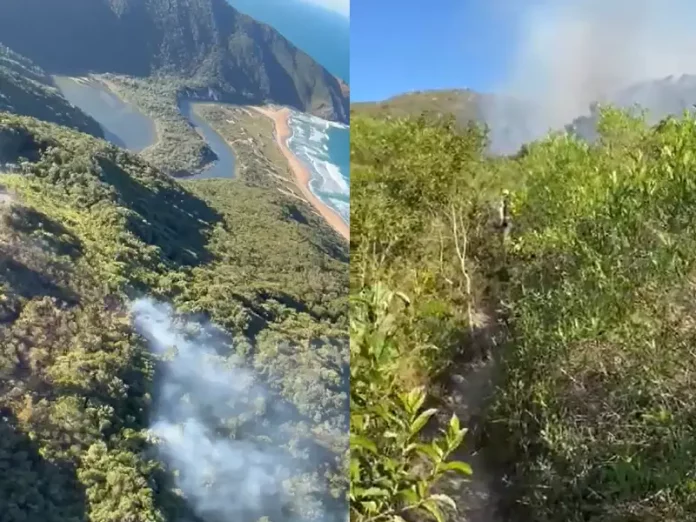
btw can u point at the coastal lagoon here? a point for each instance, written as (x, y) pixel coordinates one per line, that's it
(223, 167)
(127, 127)
(322, 146)
(123, 124)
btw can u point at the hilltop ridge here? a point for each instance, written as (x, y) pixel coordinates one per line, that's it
(514, 122)
(27, 90)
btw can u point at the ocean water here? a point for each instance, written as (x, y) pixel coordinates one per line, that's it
(324, 147)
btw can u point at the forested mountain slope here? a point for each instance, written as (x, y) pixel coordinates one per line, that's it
(87, 228)
(27, 90)
(512, 122)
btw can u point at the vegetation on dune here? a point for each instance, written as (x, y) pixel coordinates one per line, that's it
(592, 417)
(86, 226)
(179, 149)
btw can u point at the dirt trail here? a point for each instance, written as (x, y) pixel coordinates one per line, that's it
(467, 393)
(5, 197)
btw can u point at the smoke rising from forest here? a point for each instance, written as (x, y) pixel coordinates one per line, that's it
(210, 416)
(571, 53)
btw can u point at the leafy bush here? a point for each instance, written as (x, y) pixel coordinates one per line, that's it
(592, 417)
(419, 215)
(392, 472)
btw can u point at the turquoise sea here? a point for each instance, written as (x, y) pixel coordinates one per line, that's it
(324, 147)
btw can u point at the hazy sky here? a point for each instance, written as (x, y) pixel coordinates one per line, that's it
(340, 6)
(568, 50)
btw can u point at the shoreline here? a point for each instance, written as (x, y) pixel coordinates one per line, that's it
(302, 175)
(282, 132)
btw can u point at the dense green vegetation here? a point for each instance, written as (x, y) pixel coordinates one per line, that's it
(592, 417)
(413, 183)
(206, 43)
(179, 148)
(85, 227)
(27, 90)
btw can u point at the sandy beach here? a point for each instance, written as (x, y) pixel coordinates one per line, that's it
(302, 175)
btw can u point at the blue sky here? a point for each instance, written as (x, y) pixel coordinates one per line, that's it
(399, 46)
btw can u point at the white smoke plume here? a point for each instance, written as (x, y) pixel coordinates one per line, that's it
(341, 7)
(571, 53)
(202, 402)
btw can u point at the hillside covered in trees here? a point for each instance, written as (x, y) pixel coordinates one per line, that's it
(27, 90)
(87, 228)
(202, 44)
(582, 316)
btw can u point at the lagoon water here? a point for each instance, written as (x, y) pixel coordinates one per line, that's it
(130, 129)
(123, 125)
(224, 166)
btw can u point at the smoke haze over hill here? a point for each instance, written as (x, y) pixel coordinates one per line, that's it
(216, 424)
(572, 53)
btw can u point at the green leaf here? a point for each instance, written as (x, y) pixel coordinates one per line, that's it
(375, 493)
(413, 400)
(456, 465)
(421, 421)
(434, 509)
(444, 499)
(408, 449)
(454, 424)
(359, 441)
(354, 470)
(369, 506)
(429, 450)
(454, 440)
(409, 497)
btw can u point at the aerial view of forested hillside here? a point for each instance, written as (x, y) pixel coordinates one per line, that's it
(173, 297)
